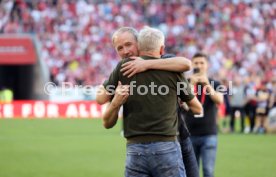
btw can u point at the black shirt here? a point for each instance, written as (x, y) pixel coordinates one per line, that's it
(205, 125)
(181, 113)
(182, 126)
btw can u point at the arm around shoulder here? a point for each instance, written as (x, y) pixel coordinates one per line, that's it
(176, 64)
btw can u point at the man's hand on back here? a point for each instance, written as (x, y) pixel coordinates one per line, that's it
(121, 95)
(136, 65)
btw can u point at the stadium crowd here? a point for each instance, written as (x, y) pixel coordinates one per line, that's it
(238, 35)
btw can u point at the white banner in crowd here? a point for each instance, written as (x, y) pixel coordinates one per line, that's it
(47, 109)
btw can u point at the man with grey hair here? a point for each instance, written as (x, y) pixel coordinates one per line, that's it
(150, 120)
(125, 42)
(150, 40)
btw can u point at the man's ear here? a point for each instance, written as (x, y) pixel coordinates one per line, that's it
(162, 50)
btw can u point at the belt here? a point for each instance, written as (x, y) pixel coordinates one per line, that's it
(145, 139)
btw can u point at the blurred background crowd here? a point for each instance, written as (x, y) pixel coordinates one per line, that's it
(238, 35)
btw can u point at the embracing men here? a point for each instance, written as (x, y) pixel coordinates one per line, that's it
(150, 114)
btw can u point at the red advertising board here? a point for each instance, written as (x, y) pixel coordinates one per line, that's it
(46, 109)
(17, 50)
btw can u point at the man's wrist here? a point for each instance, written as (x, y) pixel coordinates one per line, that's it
(114, 105)
(149, 64)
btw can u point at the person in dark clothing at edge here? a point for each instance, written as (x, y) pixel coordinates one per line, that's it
(188, 155)
(203, 128)
(128, 48)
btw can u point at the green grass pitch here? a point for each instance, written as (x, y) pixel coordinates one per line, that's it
(82, 148)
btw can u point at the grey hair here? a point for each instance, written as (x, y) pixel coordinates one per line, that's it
(150, 39)
(123, 30)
